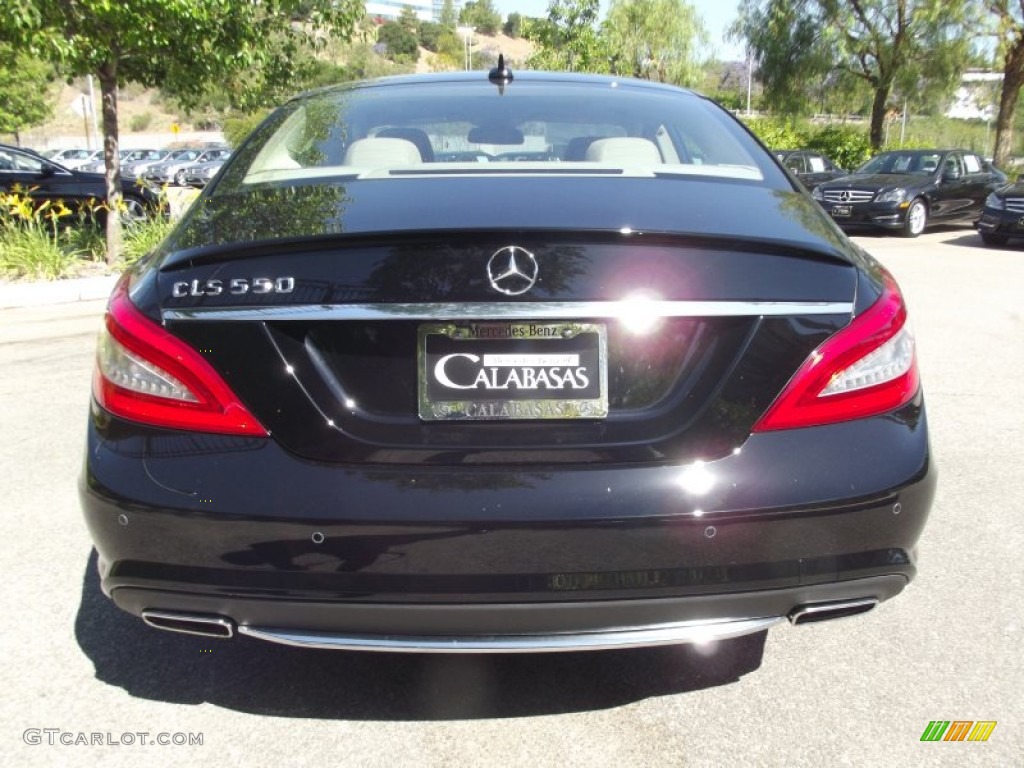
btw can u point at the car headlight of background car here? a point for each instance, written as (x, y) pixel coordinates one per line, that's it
(897, 195)
(995, 202)
(817, 194)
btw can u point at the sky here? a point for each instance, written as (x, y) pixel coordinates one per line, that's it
(717, 16)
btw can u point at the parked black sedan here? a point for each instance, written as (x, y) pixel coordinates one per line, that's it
(811, 167)
(908, 190)
(367, 398)
(1003, 216)
(42, 180)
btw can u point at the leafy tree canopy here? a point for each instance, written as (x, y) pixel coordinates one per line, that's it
(568, 39)
(903, 45)
(448, 17)
(481, 15)
(25, 90)
(513, 26)
(655, 40)
(179, 45)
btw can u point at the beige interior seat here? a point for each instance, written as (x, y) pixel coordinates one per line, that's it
(624, 151)
(382, 153)
(416, 135)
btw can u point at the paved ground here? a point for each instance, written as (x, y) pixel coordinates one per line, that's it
(857, 692)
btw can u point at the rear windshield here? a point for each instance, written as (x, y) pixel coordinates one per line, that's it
(464, 128)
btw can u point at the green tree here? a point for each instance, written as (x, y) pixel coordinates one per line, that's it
(408, 19)
(482, 16)
(888, 44)
(402, 45)
(1010, 30)
(448, 17)
(568, 39)
(25, 91)
(180, 45)
(513, 26)
(430, 34)
(655, 40)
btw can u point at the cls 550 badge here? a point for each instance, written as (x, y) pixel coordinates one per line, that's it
(235, 286)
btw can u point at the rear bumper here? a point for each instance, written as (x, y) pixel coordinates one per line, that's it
(481, 558)
(501, 627)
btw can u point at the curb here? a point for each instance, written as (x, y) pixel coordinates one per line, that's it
(56, 292)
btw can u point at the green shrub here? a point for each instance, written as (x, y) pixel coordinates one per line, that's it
(30, 239)
(401, 44)
(141, 121)
(430, 33)
(776, 133)
(34, 253)
(49, 241)
(85, 239)
(237, 128)
(847, 147)
(142, 237)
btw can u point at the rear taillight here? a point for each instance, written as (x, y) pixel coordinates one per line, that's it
(145, 374)
(866, 369)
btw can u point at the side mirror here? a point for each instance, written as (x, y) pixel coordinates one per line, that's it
(951, 174)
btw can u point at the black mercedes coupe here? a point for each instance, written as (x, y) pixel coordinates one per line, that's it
(908, 190)
(623, 384)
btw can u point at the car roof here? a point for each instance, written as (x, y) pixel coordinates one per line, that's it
(24, 150)
(480, 76)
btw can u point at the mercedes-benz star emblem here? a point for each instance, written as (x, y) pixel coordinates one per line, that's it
(512, 270)
(844, 196)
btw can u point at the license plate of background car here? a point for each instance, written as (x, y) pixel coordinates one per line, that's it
(512, 371)
(840, 210)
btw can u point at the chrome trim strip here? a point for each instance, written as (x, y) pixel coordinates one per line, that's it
(638, 637)
(533, 310)
(806, 614)
(219, 627)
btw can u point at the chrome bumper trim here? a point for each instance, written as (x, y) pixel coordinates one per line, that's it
(666, 634)
(533, 310)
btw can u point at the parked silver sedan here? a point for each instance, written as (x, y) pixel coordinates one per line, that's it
(171, 170)
(199, 175)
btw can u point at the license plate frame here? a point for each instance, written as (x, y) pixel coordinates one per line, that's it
(841, 211)
(512, 371)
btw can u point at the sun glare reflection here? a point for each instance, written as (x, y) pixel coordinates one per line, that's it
(640, 314)
(696, 479)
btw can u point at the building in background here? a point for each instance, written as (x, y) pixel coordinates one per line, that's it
(977, 97)
(426, 10)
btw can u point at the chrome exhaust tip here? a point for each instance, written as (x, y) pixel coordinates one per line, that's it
(806, 614)
(204, 626)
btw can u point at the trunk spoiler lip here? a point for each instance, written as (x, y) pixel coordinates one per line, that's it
(812, 249)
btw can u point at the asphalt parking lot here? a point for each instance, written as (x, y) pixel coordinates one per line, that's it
(856, 692)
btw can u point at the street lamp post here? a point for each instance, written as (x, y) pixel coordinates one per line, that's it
(750, 78)
(466, 33)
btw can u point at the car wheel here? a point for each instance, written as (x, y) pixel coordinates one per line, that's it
(179, 179)
(134, 211)
(991, 238)
(917, 219)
